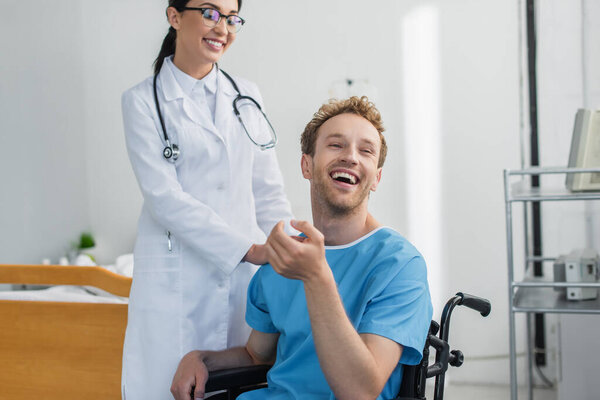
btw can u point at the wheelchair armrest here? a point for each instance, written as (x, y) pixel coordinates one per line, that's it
(233, 378)
(442, 356)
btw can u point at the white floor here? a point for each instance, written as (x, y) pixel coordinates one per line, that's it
(490, 392)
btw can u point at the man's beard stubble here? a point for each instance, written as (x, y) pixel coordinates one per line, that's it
(326, 199)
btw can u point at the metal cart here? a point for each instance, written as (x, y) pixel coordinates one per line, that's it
(532, 294)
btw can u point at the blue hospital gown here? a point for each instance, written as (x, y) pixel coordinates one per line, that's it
(382, 281)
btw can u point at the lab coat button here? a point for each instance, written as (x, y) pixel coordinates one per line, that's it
(221, 187)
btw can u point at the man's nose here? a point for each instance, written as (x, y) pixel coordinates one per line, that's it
(350, 155)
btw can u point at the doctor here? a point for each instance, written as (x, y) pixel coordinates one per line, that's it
(212, 190)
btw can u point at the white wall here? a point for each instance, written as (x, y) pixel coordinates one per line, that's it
(43, 202)
(121, 41)
(469, 90)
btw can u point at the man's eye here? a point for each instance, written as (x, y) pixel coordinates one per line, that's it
(335, 145)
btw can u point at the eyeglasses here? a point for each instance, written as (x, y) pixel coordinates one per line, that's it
(212, 17)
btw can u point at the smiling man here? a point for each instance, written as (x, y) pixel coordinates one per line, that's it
(340, 309)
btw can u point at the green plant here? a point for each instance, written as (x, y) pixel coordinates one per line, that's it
(86, 241)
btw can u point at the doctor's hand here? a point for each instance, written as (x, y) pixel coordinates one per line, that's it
(191, 372)
(297, 257)
(256, 255)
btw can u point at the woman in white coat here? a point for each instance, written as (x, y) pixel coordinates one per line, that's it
(206, 213)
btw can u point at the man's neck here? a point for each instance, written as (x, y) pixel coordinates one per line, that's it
(340, 230)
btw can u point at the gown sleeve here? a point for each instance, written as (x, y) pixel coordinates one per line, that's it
(257, 309)
(402, 311)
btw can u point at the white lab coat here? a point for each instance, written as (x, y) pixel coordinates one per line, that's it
(221, 196)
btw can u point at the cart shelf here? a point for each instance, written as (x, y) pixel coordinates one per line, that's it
(548, 300)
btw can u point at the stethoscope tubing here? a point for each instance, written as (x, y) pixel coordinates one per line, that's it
(160, 117)
(171, 151)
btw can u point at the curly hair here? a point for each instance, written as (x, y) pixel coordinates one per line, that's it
(360, 106)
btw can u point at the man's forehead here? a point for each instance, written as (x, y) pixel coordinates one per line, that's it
(366, 138)
(349, 125)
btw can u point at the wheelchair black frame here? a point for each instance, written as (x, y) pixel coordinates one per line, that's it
(238, 380)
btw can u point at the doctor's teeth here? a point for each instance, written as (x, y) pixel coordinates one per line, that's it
(212, 42)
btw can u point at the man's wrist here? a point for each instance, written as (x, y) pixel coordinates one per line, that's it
(322, 278)
(248, 253)
(203, 356)
(257, 254)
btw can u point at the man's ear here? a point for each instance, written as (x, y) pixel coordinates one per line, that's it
(377, 179)
(173, 17)
(306, 164)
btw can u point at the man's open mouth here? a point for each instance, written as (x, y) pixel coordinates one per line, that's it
(344, 177)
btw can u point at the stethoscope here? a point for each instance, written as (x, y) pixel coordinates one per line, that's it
(171, 151)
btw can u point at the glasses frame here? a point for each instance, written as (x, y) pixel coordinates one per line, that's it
(236, 28)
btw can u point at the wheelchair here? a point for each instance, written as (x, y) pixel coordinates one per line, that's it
(238, 380)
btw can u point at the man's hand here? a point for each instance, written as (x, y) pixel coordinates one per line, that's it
(296, 257)
(191, 372)
(256, 255)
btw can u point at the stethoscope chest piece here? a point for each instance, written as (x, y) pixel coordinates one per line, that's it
(171, 152)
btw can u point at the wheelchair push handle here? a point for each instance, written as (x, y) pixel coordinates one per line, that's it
(476, 303)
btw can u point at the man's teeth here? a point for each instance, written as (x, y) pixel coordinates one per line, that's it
(214, 43)
(344, 175)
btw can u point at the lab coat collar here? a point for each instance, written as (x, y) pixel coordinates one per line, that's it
(168, 83)
(189, 83)
(224, 85)
(176, 84)
(225, 94)
(224, 104)
(210, 80)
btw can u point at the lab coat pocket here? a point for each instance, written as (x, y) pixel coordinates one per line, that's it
(156, 290)
(157, 253)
